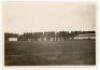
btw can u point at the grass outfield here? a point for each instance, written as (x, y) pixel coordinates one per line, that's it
(72, 52)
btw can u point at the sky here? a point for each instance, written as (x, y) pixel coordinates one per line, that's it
(22, 16)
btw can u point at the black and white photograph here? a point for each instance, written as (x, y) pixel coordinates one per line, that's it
(49, 33)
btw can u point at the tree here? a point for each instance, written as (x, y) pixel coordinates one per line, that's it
(9, 35)
(63, 35)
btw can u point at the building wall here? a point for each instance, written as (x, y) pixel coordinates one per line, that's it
(13, 39)
(85, 36)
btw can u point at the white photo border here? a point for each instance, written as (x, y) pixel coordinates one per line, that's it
(87, 67)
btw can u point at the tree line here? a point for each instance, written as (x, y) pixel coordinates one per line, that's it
(35, 36)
